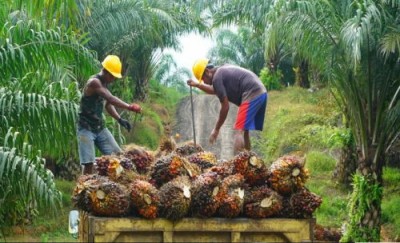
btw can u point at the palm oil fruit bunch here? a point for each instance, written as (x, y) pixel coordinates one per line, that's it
(110, 199)
(188, 149)
(287, 174)
(251, 167)
(81, 194)
(303, 203)
(262, 202)
(140, 157)
(204, 195)
(100, 196)
(167, 146)
(224, 168)
(231, 196)
(127, 164)
(145, 198)
(203, 159)
(169, 167)
(241, 162)
(114, 169)
(175, 198)
(325, 234)
(102, 164)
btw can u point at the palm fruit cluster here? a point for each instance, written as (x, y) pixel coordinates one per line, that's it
(127, 164)
(231, 196)
(251, 167)
(223, 168)
(145, 198)
(169, 167)
(189, 182)
(188, 149)
(166, 147)
(101, 196)
(287, 174)
(81, 193)
(175, 198)
(141, 158)
(204, 160)
(262, 202)
(301, 204)
(205, 189)
(102, 164)
(325, 234)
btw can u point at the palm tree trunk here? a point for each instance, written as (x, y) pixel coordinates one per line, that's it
(301, 75)
(365, 203)
(346, 166)
(141, 90)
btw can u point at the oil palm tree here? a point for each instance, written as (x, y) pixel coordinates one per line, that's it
(355, 45)
(170, 75)
(137, 30)
(39, 67)
(244, 49)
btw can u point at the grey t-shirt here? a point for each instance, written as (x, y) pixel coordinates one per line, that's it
(236, 83)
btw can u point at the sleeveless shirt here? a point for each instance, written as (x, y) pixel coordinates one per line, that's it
(91, 111)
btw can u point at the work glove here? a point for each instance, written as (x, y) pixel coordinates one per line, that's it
(125, 124)
(135, 107)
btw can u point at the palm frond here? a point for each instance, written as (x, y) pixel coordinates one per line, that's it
(30, 48)
(64, 11)
(24, 177)
(50, 122)
(357, 30)
(390, 43)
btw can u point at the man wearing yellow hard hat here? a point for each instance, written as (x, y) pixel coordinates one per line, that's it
(231, 83)
(91, 128)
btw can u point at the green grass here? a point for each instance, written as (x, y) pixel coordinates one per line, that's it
(391, 200)
(332, 211)
(299, 121)
(319, 162)
(57, 225)
(47, 227)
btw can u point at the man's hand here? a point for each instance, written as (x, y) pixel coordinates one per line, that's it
(135, 107)
(125, 124)
(213, 136)
(192, 83)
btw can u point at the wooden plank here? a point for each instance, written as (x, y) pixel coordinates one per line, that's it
(133, 229)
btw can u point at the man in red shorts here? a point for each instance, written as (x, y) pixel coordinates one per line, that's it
(236, 85)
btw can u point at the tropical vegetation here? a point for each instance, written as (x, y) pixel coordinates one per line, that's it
(354, 46)
(50, 48)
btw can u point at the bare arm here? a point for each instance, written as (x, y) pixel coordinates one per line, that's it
(112, 111)
(95, 87)
(221, 119)
(204, 87)
(223, 113)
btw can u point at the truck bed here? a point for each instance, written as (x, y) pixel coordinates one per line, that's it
(133, 229)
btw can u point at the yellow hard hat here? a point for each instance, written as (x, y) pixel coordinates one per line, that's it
(199, 67)
(113, 65)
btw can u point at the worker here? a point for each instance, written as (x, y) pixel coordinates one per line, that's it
(91, 128)
(231, 83)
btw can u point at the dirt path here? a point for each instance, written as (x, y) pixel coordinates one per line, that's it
(206, 111)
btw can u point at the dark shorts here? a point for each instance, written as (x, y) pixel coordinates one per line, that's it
(251, 114)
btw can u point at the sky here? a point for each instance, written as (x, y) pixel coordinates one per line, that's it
(194, 46)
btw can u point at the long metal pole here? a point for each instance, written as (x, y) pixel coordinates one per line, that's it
(191, 102)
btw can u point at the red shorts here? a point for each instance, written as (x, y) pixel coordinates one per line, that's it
(251, 114)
